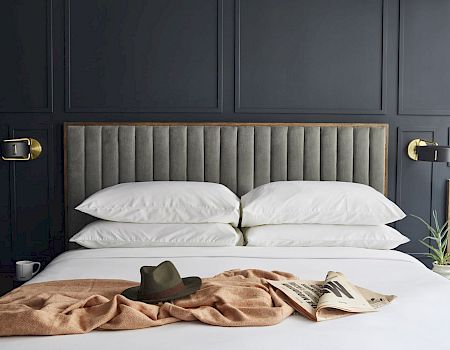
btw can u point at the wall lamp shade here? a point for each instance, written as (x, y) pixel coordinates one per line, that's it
(21, 149)
(428, 151)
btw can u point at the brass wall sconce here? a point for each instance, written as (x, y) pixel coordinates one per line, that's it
(428, 151)
(21, 149)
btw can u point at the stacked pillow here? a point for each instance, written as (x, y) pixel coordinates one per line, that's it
(285, 213)
(161, 213)
(320, 213)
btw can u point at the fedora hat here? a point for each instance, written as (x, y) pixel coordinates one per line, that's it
(162, 283)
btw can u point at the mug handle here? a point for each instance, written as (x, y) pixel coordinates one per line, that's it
(37, 270)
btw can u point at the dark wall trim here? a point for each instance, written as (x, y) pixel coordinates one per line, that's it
(49, 46)
(401, 62)
(293, 109)
(37, 184)
(402, 156)
(200, 109)
(402, 108)
(448, 164)
(410, 185)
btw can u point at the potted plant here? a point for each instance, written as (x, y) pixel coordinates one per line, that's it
(437, 243)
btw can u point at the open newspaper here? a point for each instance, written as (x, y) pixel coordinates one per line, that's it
(335, 297)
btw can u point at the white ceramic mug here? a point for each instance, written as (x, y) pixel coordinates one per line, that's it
(25, 269)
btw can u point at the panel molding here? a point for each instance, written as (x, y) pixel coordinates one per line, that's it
(292, 109)
(5, 212)
(20, 252)
(49, 53)
(402, 156)
(448, 163)
(150, 109)
(401, 176)
(402, 109)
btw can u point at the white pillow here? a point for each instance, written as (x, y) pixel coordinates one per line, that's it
(317, 202)
(108, 234)
(171, 202)
(311, 235)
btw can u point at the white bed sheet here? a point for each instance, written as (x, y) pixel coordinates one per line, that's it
(416, 319)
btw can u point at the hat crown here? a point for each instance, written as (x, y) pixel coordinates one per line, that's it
(162, 283)
(157, 279)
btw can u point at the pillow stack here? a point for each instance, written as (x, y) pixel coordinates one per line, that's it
(320, 213)
(161, 213)
(285, 213)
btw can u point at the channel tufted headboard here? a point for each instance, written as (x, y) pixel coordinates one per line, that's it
(240, 156)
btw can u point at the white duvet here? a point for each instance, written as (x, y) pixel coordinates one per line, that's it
(418, 318)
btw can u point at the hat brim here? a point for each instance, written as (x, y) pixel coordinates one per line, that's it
(191, 285)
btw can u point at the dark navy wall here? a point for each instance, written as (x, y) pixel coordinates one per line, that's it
(216, 60)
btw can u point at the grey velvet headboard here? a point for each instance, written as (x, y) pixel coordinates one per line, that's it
(240, 156)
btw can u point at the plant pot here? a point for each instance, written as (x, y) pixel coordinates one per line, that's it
(443, 270)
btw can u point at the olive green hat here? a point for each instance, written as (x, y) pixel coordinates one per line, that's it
(162, 283)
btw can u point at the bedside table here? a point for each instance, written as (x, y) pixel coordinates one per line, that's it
(6, 283)
(17, 284)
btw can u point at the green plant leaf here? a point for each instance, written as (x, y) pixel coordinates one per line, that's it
(437, 254)
(436, 223)
(424, 222)
(428, 245)
(437, 240)
(447, 258)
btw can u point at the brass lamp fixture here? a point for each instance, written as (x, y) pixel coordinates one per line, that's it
(428, 151)
(21, 149)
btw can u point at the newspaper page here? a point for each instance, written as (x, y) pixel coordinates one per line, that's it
(335, 297)
(340, 297)
(303, 296)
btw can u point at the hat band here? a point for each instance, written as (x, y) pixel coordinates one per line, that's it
(161, 295)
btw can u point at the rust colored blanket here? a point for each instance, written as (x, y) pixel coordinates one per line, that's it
(234, 298)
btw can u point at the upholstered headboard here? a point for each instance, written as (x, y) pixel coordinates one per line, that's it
(240, 156)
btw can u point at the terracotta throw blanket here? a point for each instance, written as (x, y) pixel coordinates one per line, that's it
(234, 298)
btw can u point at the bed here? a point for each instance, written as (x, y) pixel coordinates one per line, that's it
(243, 157)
